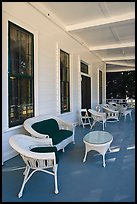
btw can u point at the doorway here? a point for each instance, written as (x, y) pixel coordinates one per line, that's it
(85, 92)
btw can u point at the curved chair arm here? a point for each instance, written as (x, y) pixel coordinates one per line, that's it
(65, 125)
(108, 110)
(27, 125)
(24, 143)
(97, 115)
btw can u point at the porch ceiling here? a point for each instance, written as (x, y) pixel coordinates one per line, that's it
(107, 29)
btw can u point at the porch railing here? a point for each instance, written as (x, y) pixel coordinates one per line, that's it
(129, 102)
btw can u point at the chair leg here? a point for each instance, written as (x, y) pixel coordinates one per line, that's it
(82, 123)
(93, 124)
(125, 117)
(24, 181)
(89, 122)
(85, 121)
(130, 115)
(26, 170)
(55, 177)
(103, 125)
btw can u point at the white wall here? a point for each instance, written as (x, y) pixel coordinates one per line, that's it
(48, 39)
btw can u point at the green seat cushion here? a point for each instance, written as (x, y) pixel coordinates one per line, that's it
(60, 135)
(48, 126)
(46, 150)
(51, 128)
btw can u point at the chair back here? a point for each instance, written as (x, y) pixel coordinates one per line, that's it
(98, 116)
(84, 112)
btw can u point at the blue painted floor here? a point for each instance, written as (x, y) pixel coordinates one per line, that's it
(78, 181)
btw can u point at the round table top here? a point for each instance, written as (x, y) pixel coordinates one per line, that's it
(98, 137)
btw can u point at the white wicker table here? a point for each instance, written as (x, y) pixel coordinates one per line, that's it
(99, 141)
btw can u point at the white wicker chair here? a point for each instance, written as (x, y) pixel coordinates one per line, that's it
(117, 107)
(98, 117)
(125, 113)
(34, 161)
(62, 125)
(111, 114)
(84, 118)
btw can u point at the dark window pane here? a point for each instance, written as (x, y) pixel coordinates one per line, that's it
(21, 82)
(100, 87)
(64, 81)
(84, 68)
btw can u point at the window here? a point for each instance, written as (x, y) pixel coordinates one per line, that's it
(20, 75)
(84, 67)
(100, 87)
(64, 81)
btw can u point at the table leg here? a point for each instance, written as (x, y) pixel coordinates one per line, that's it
(87, 149)
(104, 163)
(85, 156)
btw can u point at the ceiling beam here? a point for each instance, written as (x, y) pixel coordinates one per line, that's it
(119, 69)
(113, 46)
(118, 58)
(100, 22)
(121, 64)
